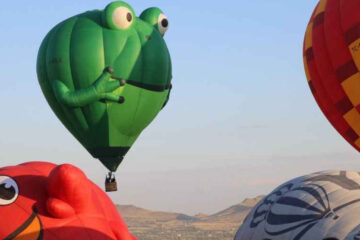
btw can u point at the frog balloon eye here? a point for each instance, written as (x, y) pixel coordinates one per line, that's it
(122, 17)
(156, 18)
(118, 16)
(163, 24)
(9, 190)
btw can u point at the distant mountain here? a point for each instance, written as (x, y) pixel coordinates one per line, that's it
(133, 212)
(157, 225)
(236, 213)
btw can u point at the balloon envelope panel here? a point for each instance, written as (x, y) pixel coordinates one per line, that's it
(318, 206)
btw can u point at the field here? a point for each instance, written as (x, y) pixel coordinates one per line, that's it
(152, 225)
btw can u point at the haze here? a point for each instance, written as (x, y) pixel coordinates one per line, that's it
(241, 119)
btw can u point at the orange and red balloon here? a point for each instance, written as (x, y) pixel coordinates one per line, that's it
(332, 63)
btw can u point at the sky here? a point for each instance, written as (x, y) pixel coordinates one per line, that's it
(241, 119)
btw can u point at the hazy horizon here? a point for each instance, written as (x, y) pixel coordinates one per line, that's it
(241, 119)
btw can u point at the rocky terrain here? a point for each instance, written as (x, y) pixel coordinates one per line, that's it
(152, 225)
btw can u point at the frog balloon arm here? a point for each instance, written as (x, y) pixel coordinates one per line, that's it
(102, 89)
(79, 98)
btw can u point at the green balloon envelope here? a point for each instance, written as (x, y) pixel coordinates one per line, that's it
(106, 109)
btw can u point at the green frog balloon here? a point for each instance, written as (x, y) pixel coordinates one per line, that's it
(106, 75)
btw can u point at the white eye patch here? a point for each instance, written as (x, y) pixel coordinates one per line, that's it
(9, 190)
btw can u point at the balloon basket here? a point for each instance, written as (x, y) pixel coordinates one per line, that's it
(110, 183)
(111, 187)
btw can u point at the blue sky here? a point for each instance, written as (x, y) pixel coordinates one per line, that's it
(241, 119)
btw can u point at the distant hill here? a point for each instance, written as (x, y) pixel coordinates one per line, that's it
(133, 212)
(236, 213)
(157, 225)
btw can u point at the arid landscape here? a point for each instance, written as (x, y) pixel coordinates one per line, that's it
(152, 225)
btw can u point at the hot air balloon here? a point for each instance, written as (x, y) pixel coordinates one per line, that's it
(107, 74)
(332, 62)
(44, 201)
(321, 206)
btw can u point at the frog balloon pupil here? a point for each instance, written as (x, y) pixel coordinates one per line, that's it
(129, 17)
(165, 23)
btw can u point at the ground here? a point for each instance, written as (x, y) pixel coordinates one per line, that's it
(152, 225)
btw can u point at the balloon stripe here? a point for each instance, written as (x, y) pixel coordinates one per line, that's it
(351, 85)
(346, 71)
(346, 205)
(75, 116)
(322, 100)
(320, 95)
(353, 137)
(350, 17)
(313, 193)
(335, 41)
(340, 180)
(327, 207)
(90, 67)
(319, 19)
(280, 219)
(308, 56)
(304, 231)
(46, 84)
(321, 7)
(291, 201)
(353, 34)
(141, 91)
(273, 233)
(344, 106)
(73, 119)
(325, 68)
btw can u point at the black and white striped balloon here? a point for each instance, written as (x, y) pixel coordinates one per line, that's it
(319, 206)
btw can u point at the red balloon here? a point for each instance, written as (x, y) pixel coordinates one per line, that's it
(43, 201)
(332, 63)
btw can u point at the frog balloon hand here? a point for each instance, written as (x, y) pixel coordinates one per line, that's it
(102, 89)
(105, 86)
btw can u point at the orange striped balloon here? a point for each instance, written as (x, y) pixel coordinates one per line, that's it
(332, 64)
